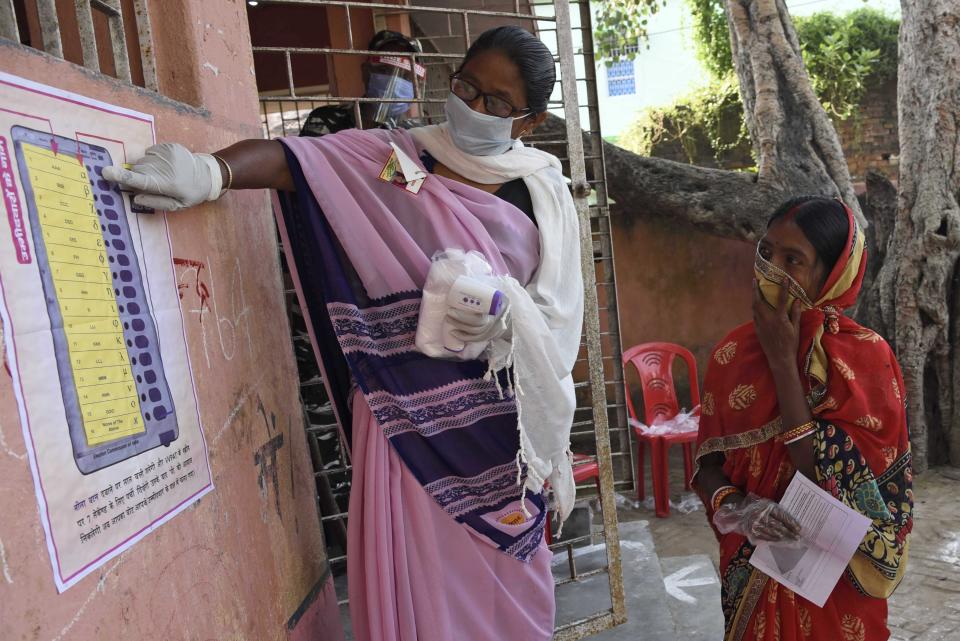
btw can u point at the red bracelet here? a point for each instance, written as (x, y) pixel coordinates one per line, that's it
(722, 492)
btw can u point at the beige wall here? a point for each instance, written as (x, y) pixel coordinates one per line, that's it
(239, 563)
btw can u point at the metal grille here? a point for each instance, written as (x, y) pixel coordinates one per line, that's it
(444, 29)
(116, 46)
(620, 79)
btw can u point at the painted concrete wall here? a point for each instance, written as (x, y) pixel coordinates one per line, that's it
(241, 562)
(678, 285)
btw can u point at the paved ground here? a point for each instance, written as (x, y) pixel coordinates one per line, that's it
(926, 606)
(667, 598)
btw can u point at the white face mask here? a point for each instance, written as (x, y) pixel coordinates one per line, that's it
(475, 133)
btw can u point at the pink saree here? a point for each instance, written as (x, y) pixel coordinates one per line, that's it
(438, 545)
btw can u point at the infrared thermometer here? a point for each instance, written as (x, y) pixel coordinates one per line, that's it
(471, 295)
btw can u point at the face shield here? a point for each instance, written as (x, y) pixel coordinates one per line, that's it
(392, 78)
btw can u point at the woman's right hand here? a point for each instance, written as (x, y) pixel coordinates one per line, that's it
(758, 519)
(170, 177)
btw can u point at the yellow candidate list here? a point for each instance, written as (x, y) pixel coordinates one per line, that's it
(107, 395)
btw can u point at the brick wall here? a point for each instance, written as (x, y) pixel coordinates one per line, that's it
(870, 139)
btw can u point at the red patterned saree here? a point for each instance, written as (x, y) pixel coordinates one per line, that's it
(862, 458)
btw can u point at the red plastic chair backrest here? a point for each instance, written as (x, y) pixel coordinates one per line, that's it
(654, 365)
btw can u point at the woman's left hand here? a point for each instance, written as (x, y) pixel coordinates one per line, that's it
(778, 329)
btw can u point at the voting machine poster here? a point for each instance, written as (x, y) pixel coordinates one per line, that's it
(92, 329)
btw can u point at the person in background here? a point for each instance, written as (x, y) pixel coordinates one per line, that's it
(384, 76)
(803, 389)
(447, 507)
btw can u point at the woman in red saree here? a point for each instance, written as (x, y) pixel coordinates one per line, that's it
(803, 389)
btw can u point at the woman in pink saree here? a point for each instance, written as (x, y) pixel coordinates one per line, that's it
(447, 508)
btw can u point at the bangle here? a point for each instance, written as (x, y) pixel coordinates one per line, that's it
(800, 437)
(722, 493)
(798, 432)
(229, 172)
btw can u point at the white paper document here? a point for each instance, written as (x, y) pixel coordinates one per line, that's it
(829, 536)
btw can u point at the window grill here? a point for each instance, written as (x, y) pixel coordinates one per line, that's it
(620, 79)
(101, 35)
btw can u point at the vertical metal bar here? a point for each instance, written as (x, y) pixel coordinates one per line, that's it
(293, 91)
(283, 118)
(466, 30)
(416, 82)
(349, 29)
(357, 115)
(88, 38)
(263, 120)
(591, 320)
(50, 27)
(118, 42)
(145, 34)
(571, 562)
(300, 111)
(8, 21)
(600, 177)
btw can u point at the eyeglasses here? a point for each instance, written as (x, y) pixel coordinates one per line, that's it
(495, 106)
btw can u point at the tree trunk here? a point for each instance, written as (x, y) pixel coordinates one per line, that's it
(880, 208)
(918, 284)
(798, 149)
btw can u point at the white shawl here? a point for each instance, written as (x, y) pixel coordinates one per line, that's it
(547, 314)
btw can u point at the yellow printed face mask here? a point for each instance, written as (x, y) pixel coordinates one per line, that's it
(771, 279)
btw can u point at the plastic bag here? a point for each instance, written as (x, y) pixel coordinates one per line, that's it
(445, 267)
(682, 423)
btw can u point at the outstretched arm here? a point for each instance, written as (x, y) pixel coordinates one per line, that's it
(256, 164)
(171, 177)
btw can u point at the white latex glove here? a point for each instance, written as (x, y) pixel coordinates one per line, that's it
(170, 177)
(758, 519)
(477, 327)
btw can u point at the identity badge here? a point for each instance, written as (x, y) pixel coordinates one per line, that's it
(403, 172)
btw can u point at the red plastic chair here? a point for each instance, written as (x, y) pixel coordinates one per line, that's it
(654, 365)
(584, 467)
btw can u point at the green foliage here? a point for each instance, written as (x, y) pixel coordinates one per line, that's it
(864, 30)
(839, 73)
(710, 117)
(711, 36)
(621, 27)
(843, 54)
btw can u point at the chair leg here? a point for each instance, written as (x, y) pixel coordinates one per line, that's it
(641, 493)
(660, 474)
(596, 480)
(687, 465)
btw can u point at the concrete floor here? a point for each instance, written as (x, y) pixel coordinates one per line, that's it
(661, 554)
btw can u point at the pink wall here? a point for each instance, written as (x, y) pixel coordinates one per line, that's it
(678, 285)
(241, 562)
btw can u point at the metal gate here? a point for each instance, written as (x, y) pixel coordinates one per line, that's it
(445, 29)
